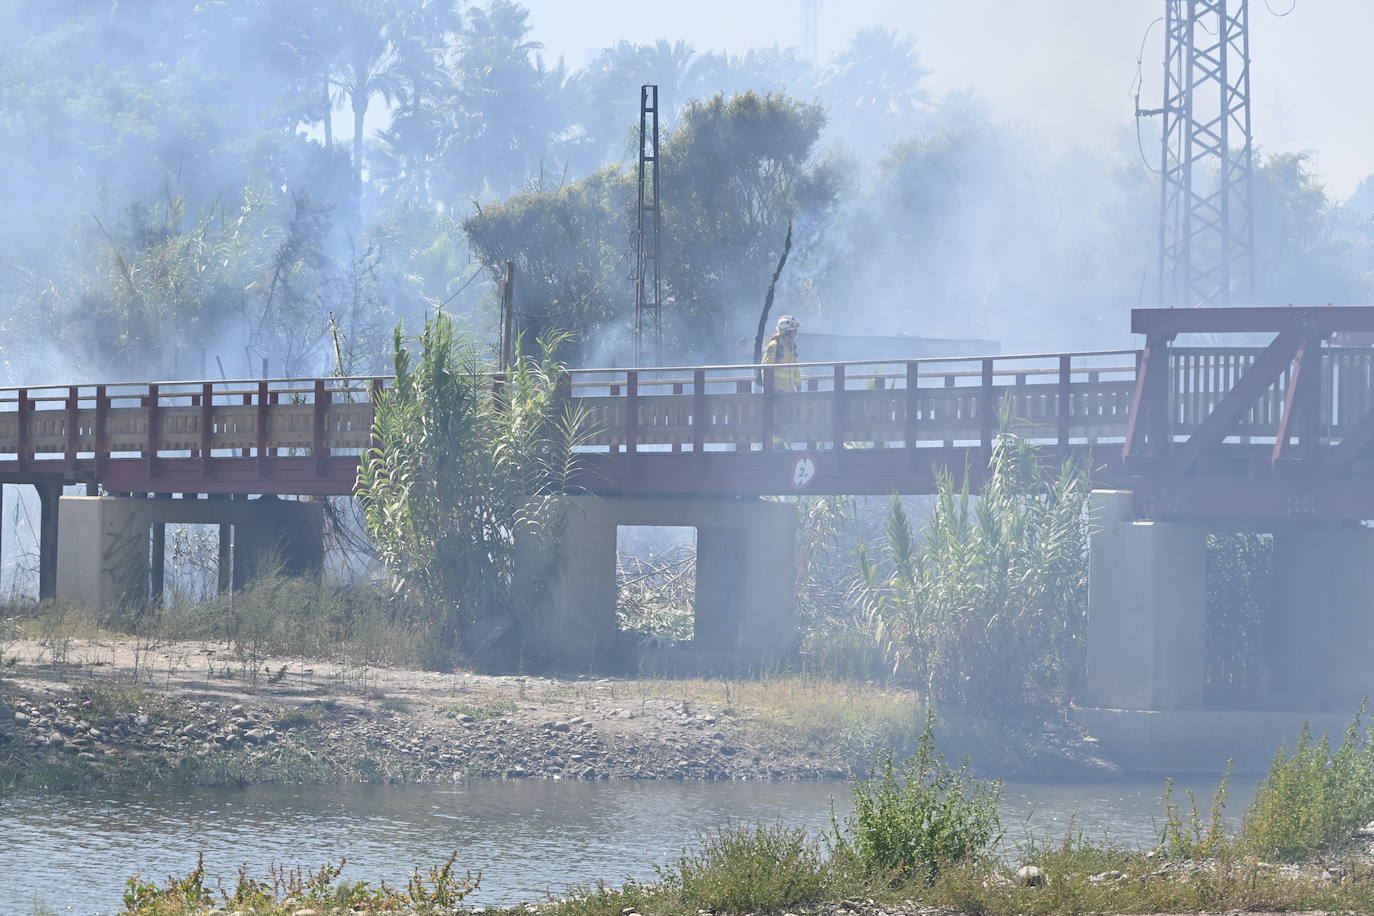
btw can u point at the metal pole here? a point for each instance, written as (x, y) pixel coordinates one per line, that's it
(508, 318)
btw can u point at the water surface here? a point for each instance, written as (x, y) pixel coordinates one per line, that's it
(528, 838)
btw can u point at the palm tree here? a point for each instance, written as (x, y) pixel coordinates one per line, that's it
(874, 88)
(507, 102)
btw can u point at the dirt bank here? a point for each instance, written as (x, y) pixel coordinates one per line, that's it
(118, 710)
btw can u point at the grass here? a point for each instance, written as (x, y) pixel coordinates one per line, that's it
(480, 713)
(434, 891)
(808, 713)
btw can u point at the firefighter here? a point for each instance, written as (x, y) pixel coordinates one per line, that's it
(782, 352)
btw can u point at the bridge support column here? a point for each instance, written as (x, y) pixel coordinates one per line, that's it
(105, 547)
(49, 493)
(1321, 635)
(745, 588)
(1147, 604)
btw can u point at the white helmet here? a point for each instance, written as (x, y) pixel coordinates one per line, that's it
(788, 323)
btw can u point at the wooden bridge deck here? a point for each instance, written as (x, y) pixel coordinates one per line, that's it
(1300, 416)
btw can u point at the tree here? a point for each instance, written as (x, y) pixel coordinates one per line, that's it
(874, 90)
(572, 248)
(505, 103)
(735, 172)
(375, 57)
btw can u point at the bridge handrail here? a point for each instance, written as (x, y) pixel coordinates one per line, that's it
(740, 367)
(365, 382)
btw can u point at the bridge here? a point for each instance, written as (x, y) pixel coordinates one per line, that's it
(1264, 420)
(1276, 431)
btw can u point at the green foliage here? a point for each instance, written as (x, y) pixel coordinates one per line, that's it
(460, 472)
(741, 166)
(569, 248)
(913, 822)
(1190, 838)
(436, 891)
(750, 870)
(989, 609)
(1313, 796)
(1240, 596)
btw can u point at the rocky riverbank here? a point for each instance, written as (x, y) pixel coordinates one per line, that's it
(116, 712)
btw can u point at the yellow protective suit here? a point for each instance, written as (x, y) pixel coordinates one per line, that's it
(782, 352)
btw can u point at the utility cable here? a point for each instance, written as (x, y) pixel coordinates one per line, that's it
(1292, 5)
(1136, 85)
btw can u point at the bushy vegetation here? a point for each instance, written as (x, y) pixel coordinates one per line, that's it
(752, 869)
(433, 892)
(915, 821)
(462, 470)
(988, 609)
(1313, 797)
(281, 616)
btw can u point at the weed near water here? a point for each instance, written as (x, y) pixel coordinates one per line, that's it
(1313, 796)
(433, 892)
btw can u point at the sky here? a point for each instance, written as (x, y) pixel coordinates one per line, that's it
(1061, 67)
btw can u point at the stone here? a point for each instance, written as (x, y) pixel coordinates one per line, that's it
(1106, 877)
(1030, 876)
(6, 713)
(257, 735)
(1366, 832)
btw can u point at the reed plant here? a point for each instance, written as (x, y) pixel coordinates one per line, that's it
(988, 610)
(455, 478)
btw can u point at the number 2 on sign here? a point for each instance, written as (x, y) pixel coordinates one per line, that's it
(803, 472)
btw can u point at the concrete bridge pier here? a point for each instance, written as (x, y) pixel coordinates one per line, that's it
(745, 588)
(1146, 635)
(1147, 608)
(109, 548)
(1321, 634)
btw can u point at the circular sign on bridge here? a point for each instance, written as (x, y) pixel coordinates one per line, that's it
(803, 472)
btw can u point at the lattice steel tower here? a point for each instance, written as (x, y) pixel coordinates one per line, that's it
(1207, 231)
(648, 279)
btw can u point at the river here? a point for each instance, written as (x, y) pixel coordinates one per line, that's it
(528, 838)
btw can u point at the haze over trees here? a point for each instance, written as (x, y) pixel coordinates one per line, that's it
(186, 180)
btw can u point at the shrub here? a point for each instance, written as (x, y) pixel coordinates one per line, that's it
(278, 616)
(1313, 797)
(454, 478)
(990, 609)
(1191, 838)
(912, 822)
(750, 870)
